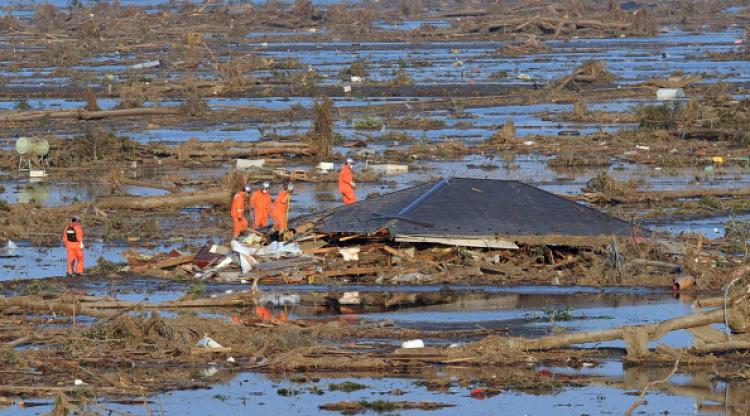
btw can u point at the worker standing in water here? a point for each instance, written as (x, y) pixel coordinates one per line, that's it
(73, 241)
(280, 211)
(260, 202)
(346, 183)
(237, 211)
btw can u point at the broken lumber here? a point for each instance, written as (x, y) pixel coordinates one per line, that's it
(163, 264)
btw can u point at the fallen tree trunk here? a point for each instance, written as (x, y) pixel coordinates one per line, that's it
(146, 184)
(178, 200)
(89, 115)
(720, 347)
(239, 299)
(651, 332)
(33, 303)
(251, 152)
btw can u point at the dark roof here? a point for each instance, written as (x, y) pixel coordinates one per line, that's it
(472, 207)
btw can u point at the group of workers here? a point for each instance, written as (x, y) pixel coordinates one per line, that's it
(263, 209)
(260, 203)
(259, 200)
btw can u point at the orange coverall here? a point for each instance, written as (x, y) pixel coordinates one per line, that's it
(74, 248)
(346, 178)
(280, 211)
(237, 211)
(260, 202)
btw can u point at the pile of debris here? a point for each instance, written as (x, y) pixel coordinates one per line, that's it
(591, 73)
(448, 231)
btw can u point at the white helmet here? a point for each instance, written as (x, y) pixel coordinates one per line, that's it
(349, 161)
(248, 188)
(266, 185)
(289, 187)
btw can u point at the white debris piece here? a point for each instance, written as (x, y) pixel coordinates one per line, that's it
(207, 342)
(252, 240)
(389, 168)
(146, 65)
(278, 299)
(247, 261)
(279, 249)
(413, 343)
(10, 250)
(350, 298)
(669, 93)
(350, 253)
(326, 166)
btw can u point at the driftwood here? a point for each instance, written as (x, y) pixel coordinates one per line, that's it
(88, 115)
(104, 307)
(177, 200)
(146, 184)
(645, 196)
(634, 336)
(301, 150)
(60, 307)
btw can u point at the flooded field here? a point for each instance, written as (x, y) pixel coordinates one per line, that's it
(605, 141)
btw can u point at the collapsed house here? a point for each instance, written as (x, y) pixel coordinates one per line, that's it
(466, 212)
(450, 230)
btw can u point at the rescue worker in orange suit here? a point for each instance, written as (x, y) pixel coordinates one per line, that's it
(73, 240)
(280, 212)
(260, 202)
(237, 211)
(346, 183)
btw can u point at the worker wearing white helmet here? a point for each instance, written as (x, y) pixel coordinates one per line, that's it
(260, 202)
(281, 207)
(346, 183)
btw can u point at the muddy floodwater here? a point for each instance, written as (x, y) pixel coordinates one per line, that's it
(519, 310)
(248, 392)
(145, 117)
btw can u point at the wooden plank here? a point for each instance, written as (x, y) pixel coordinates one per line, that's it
(170, 262)
(411, 259)
(353, 271)
(460, 242)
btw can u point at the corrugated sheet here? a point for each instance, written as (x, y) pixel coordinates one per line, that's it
(473, 207)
